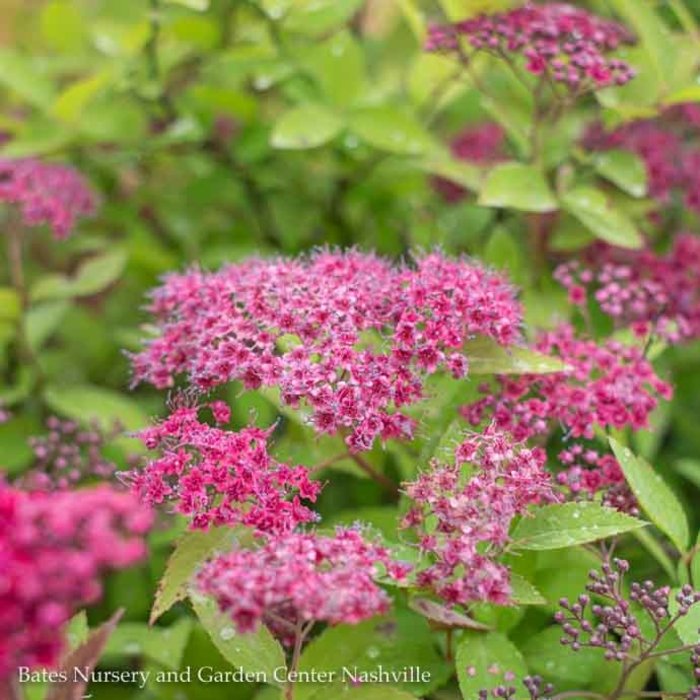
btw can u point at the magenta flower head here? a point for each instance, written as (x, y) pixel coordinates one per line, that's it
(46, 193)
(561, 42)
(481, 144)
(219, 477)
(54, 547)
(610, 385)
(349, 337)
(462, 516)
(301, 578)
(649, 293)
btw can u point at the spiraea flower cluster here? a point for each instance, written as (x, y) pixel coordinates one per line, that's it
(67, 455)
(217, 476)
(589, 473)
(606, 618)
(46, 193)
(647, 292)
(53, 548)
(482, 144)
(561, 42)
(301, 578)
(610, 385)
(669, 145)
(348, 336)
(462, 513)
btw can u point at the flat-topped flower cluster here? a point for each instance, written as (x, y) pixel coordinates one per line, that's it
(347, 335)
(561, 42)
(54, 546)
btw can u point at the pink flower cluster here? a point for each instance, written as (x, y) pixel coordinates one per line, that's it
(609, 386)
(669, 146)
(650, 293)
(218, 476)
(53, 549)
(561, 42)
(481, 144)
(67, 455)
(46, 193)
(589, 473)
(349, 335)
(463, 516)
(301, 578)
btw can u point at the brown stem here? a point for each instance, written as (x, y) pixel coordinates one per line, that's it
(9, 688)
(380, 478)
(449, 652)
(302, 630)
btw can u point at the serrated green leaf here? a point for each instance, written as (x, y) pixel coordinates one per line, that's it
(486, 356)
(404, 639)
(391, 129)
(485, 661)
(595, 211)
(84, 402)
(164, 645)
(568, 524)
(623, 168)
(255, 652)
(304, 127)
(523, 592)
(190, 552)
(654, 495)
(517, 186)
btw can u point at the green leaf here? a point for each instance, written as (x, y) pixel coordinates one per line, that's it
(404, 639)
(367, 692)
(654, 495)
(485, 661)
(190, 552)
(305, 127)
(70, 105)
(313, 17)
(503, 252)
(486, 356)
(695, 562)
(10, 305)
(458, 171)
(391, 129)
(546, 656)
(568, 524)
(84, 402)
(595, 211)
(98, 273)
(63, 27)
(165, 645)
(338, 66)
(623, 168)
(20, 74)
(197, 5)
(517, 186)
(255, 652)
(523, 592)
(77, 630)
(688, 625)
(42, 320)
